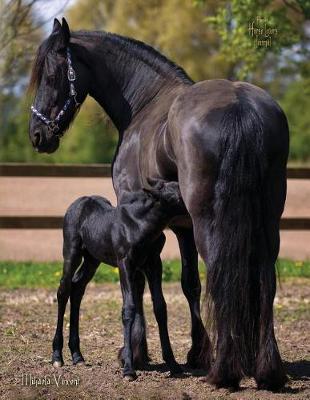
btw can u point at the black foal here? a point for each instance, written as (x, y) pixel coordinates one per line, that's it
(129, 237)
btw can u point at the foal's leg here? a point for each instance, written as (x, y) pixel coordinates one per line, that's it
(154, 277)
(200, 354)
(79, 283)
(138, 340)
(71, 262)
(127, 276)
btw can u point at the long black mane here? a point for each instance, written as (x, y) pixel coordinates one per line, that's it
(138, 53)
(38, 63)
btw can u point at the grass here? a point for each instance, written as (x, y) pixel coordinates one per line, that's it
(32, 275)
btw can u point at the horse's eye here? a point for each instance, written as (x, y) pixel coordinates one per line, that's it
(61, 51)
(50, 79)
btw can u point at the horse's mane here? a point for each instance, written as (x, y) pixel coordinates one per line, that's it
(131, 47)
(38, 63)
(142, 52)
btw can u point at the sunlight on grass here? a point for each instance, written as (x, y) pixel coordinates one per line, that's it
(32, 275)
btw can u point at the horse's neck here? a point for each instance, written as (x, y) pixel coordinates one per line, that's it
(122, 83)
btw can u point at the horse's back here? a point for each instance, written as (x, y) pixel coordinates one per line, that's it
(196, 117)
(208, 115)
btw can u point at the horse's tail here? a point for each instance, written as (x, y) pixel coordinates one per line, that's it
(236, 224)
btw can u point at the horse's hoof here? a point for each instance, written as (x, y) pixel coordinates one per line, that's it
(273, 385)
(130, 378)
(175, 369)
(58, 364)
(196, 362)
(231, 384)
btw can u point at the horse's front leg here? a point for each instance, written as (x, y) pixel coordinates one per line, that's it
(139, 344)
(200, 354)
(127, 276)
(154, 276)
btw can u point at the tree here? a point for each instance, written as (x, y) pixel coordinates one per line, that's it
(208, 38)
(252, 30)
(295, 106)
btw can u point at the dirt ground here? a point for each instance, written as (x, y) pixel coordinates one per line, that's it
(27, 326)
(52, 196)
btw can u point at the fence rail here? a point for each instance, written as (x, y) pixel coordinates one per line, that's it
(92, 170)
(96, 171)
(55, 222)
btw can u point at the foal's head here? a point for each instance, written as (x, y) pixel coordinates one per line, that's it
(61, 84)
(168, 195)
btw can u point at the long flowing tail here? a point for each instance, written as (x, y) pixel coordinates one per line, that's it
(236, 228)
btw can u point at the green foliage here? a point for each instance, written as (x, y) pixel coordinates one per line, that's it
(208, 38)
(19, 33)
(32, 275)
(244, 48)
(158, 23)
(90, 139)
(296, 102)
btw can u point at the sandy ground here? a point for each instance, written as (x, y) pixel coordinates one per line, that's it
(27, 326)
(51, 196)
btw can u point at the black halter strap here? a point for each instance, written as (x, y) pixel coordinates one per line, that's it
(52, 124)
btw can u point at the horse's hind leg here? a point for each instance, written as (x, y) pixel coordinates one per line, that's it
(200, 354)
(79, 283)
(154, 277)
(269, 371)
(71, 262)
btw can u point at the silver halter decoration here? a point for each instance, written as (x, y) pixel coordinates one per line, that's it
(52, 124)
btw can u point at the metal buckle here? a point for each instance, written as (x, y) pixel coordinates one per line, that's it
(53, 127)
(71, 74)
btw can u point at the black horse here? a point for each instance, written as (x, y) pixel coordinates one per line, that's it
(226, 143)
(126, 237)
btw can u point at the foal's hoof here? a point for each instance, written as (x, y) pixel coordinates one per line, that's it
(78, 359)
(58, 364)
(57, 359)
(131, 377)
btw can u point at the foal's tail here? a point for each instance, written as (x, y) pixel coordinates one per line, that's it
(236, 225)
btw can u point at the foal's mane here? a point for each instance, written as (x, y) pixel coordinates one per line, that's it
(135, 50)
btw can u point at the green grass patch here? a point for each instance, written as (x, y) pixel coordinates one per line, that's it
(33, 275)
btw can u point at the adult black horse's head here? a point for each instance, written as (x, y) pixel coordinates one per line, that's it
(61, 85)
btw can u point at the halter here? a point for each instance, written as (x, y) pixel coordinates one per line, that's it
(52, 124)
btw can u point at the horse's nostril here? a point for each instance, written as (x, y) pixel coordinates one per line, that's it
(36, 138)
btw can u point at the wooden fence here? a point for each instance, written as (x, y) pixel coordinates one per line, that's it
(95, 171)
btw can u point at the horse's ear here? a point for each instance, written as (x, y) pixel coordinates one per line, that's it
(56, 26)
(62, 33)
(66, 30)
